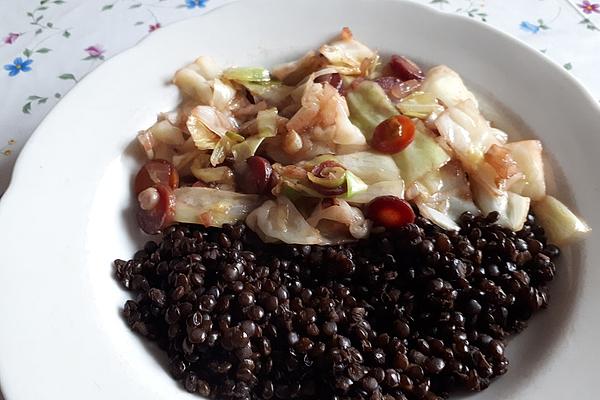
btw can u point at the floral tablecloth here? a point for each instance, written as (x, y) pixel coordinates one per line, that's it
(47, 46)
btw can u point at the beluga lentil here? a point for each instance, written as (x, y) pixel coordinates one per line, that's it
(414, 313)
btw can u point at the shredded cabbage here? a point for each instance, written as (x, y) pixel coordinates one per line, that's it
(324, 113)
(207, 67)
(247, 148)
(223, 95)
(371, 167)
(559, 223)
(212, 207)
(513, 208)
(528, 156)
(273, 92)
(165, 132)
(326, 106)
(247, 74)
(446, 85)
(214, 175)
(146, 140)
(279, 220)
(444, 195)
(354, 185)
(267, 122)
(369, 106)
(193, 85)
(196, 80)
(467, 132)
(224, 147)
(206, 125)
(383, 188)
(331, 222)
(347, 54)
(419, 105)
(350, 219)
(422, 156)
(294, 72)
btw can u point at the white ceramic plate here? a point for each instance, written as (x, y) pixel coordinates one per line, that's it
(66, 215)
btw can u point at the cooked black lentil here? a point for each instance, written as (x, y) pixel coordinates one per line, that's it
(410, 314)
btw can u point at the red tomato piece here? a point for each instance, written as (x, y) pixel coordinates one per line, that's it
(393, 135)
(390, 211)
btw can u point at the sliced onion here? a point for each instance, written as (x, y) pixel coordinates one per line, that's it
(328, 174)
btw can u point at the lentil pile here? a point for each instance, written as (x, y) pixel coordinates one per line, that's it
(411, 314)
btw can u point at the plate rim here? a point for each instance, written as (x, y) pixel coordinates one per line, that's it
(22, 162)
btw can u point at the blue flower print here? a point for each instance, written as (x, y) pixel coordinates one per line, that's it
(17, 66)
(195, 3)
(529, 27)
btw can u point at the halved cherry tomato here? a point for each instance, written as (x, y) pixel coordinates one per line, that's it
(393, 135)
(156, 172)
(390, 211)
(156, 208)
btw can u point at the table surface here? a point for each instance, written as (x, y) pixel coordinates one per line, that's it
(47, 46)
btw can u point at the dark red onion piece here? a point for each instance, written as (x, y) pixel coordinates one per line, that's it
(255, 177)
(333, 79)
(387, 83)
(396, 88)
(161, 215)
(329, 192)
(405, 69)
